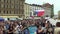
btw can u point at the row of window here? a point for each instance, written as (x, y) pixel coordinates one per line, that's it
(12, 1)
(11, 6)
(11, 12)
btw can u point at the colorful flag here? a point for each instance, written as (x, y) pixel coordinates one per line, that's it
(39, 12)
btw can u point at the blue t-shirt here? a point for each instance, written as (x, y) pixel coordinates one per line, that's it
(32, 29)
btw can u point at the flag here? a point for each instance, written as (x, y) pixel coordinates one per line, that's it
(39, 12)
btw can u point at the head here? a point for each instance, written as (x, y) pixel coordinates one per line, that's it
(39, 27)
(46, 24)
(21, 27)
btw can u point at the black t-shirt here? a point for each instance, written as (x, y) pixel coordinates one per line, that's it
(40, 32)
(10, 29)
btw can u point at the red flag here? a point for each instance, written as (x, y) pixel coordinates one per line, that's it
(39, 12)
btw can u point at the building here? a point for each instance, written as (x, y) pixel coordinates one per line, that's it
(59, 15)
(12, 8)
(27, 10)
(30, 8)
(49, 9)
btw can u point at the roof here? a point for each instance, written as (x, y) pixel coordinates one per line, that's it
(43, 5)
(47, 5)
(34, 5)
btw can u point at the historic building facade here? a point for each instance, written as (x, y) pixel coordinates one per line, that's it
(30, 8)
(12, 8)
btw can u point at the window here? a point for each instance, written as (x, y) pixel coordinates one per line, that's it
(9, 1)
(16, 12)
(20, 3)
(6, 1)
(21, 7)
(7, 12)
(12, 12)
(12, 1)
(0, 12)
(9, 6)
(12, 6)
(4, 12)
(16, 1)
(2, 5)
(2, 0)
(17, 6)
(5, 6)
(21, 12)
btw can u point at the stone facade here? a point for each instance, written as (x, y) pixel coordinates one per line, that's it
(12, 8)
(29, 9)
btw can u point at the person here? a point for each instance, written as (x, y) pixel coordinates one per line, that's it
(32, 28)
(10, 29)
(39, 30)
(50, 31)
(48, 28)
(26, 31)
(15, 26)
(20, 29)
(1, 30)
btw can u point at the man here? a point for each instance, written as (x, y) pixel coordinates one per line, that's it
(32, 29)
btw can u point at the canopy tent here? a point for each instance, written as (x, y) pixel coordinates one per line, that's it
(1, 19)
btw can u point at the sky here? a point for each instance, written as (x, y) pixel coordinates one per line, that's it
(39, 2)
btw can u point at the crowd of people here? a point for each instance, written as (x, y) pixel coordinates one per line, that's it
(26, 26)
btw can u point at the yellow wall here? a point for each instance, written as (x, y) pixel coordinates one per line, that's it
(9, 16)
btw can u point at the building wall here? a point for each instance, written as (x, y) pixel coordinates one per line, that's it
(47, 12)
(33, 8)
(59, 15)
(26, 10)
(12, 8)
(49, 9)
(29, 9)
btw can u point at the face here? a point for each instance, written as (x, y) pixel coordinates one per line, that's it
(39, 28)
(21, 27)
(46, 25)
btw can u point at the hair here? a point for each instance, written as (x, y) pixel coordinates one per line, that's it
(58, 24)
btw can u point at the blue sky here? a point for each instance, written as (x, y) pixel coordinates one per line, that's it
(55, 2)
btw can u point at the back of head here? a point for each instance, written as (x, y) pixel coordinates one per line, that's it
(58, 24)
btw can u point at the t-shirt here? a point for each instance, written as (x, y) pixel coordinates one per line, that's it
(32, 29)
(26, 31)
